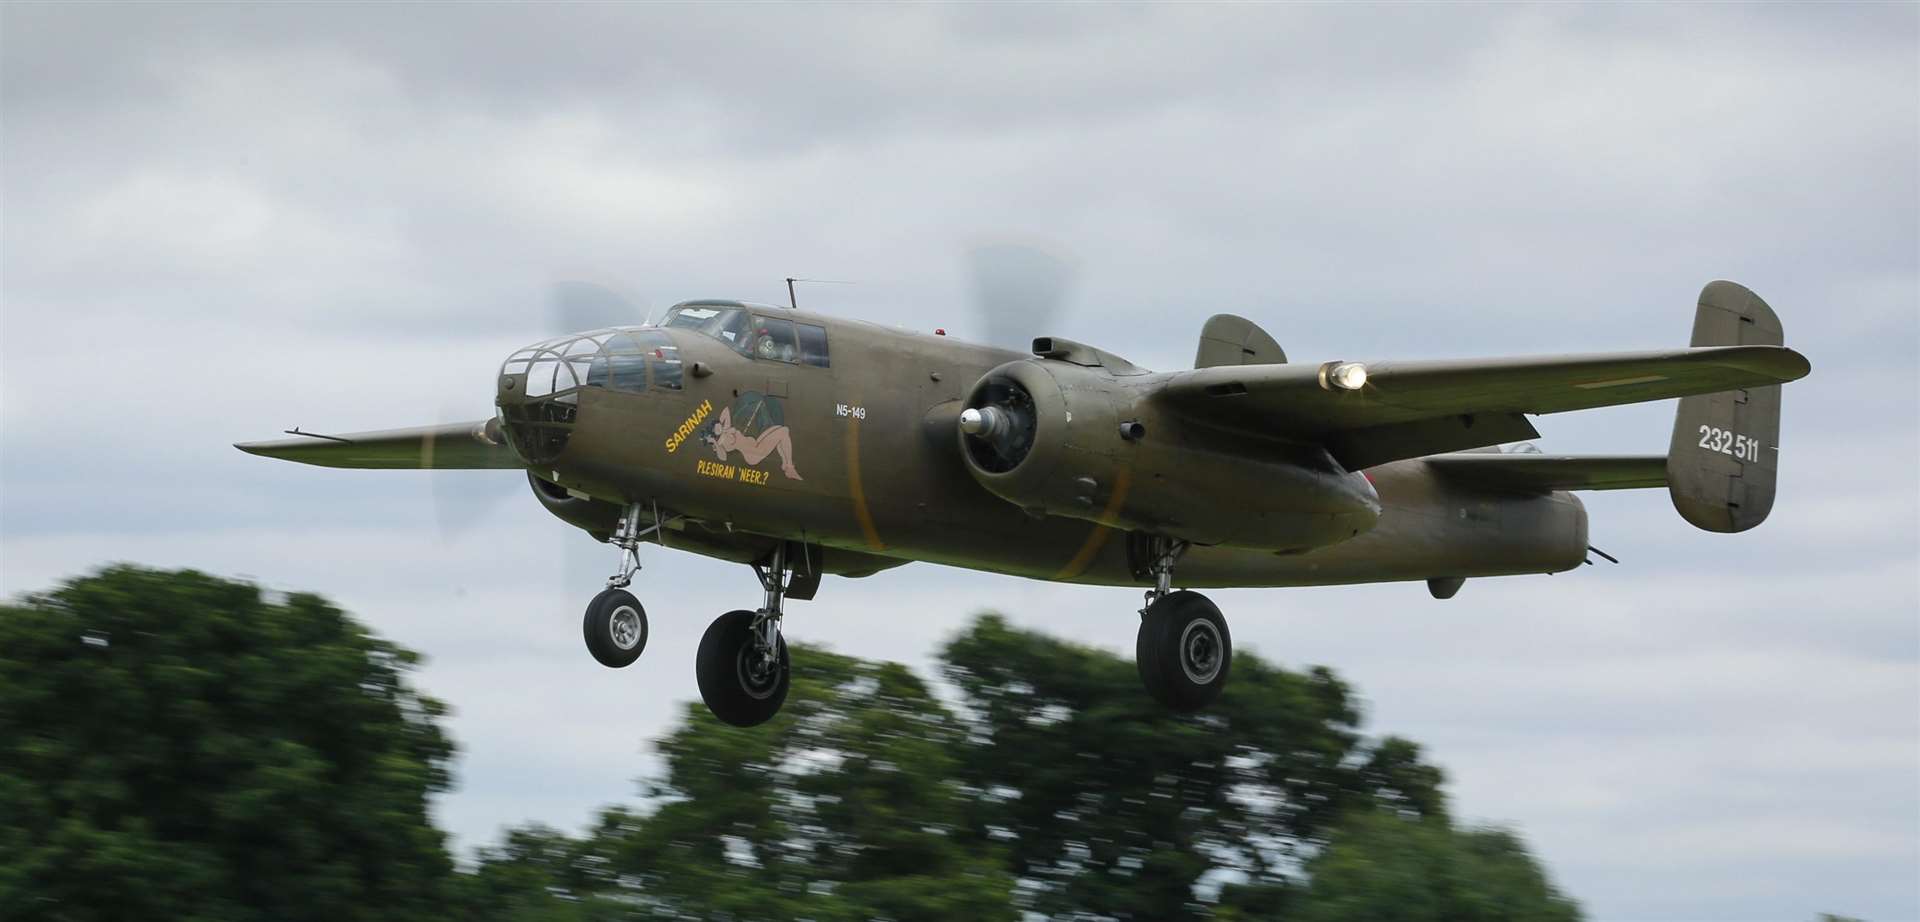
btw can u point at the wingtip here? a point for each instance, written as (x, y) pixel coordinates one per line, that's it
(1806, 365)
(1792, 365)
(1780, 363)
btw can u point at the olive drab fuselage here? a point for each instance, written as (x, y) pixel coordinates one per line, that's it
(856, 452)
(804, 445)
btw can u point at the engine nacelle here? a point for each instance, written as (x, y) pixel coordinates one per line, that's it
(1074, 438)
(597, 518)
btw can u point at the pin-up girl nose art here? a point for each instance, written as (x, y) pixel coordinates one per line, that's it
(757, 436)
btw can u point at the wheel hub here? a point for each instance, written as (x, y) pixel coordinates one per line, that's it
(623, 626)
(759, 671)
(1200, 648)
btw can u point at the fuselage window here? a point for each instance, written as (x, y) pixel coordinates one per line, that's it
(621, 364)
(630, 359)
(813, 345)
(629, 372)
(663, 357)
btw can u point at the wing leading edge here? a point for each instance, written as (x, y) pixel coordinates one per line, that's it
(457, 446)
(1411, 409)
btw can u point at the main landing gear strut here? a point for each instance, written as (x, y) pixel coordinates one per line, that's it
(1183, 649)
(742, 664)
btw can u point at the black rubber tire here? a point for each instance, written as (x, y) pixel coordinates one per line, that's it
(1174, 624)
(613, 648)
(724, 673)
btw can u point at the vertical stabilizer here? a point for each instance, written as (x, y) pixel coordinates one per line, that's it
(1230, 340)
(1725, 456)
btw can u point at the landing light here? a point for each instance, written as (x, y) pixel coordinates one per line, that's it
(1348, 376)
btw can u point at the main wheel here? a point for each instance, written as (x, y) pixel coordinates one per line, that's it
(1183, 650)
(740, 686)
(615, 628)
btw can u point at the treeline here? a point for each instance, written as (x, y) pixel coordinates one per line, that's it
(174, 745)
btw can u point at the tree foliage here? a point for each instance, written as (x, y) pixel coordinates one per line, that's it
(1115, 807)
(844, 807)
(176, 746)
(1381, 867)
(1051, 786)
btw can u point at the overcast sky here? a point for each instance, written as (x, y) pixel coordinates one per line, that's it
(223, 221)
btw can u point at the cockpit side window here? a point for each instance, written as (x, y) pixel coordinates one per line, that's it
(813, 345)
(754, 335)
(772, 339)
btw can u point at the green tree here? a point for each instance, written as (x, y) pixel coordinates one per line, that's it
(843, 807)
(1113, 807)
(539, 874)
(177, 746)
(1382, 867)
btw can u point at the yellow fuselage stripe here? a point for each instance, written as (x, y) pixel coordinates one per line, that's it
(1097, 538)
(861, 513)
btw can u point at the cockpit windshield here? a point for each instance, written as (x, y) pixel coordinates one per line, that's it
(753, 333)
(727, 324)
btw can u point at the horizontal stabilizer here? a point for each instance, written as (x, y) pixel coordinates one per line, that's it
(1398, 409)
(1545, 473)
(458, 446)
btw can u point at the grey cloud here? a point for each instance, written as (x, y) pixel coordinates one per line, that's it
(224, 220)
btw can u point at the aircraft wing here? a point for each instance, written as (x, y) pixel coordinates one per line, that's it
(1554, 472)
(1411, 409)
(458, 446)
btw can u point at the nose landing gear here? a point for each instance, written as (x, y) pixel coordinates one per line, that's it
(1183, 649)
(615, 626)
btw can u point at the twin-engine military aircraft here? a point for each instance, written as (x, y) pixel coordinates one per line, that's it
(807, 445)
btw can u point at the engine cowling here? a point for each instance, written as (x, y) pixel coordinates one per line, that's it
(1074, 439)
(597, 518)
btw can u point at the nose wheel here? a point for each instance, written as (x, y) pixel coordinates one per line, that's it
(1183, 649)
(615, 626)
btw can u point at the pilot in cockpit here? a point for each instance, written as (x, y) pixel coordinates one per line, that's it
(773, 341)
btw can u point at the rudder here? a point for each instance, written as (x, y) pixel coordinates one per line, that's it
(1724, 460)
